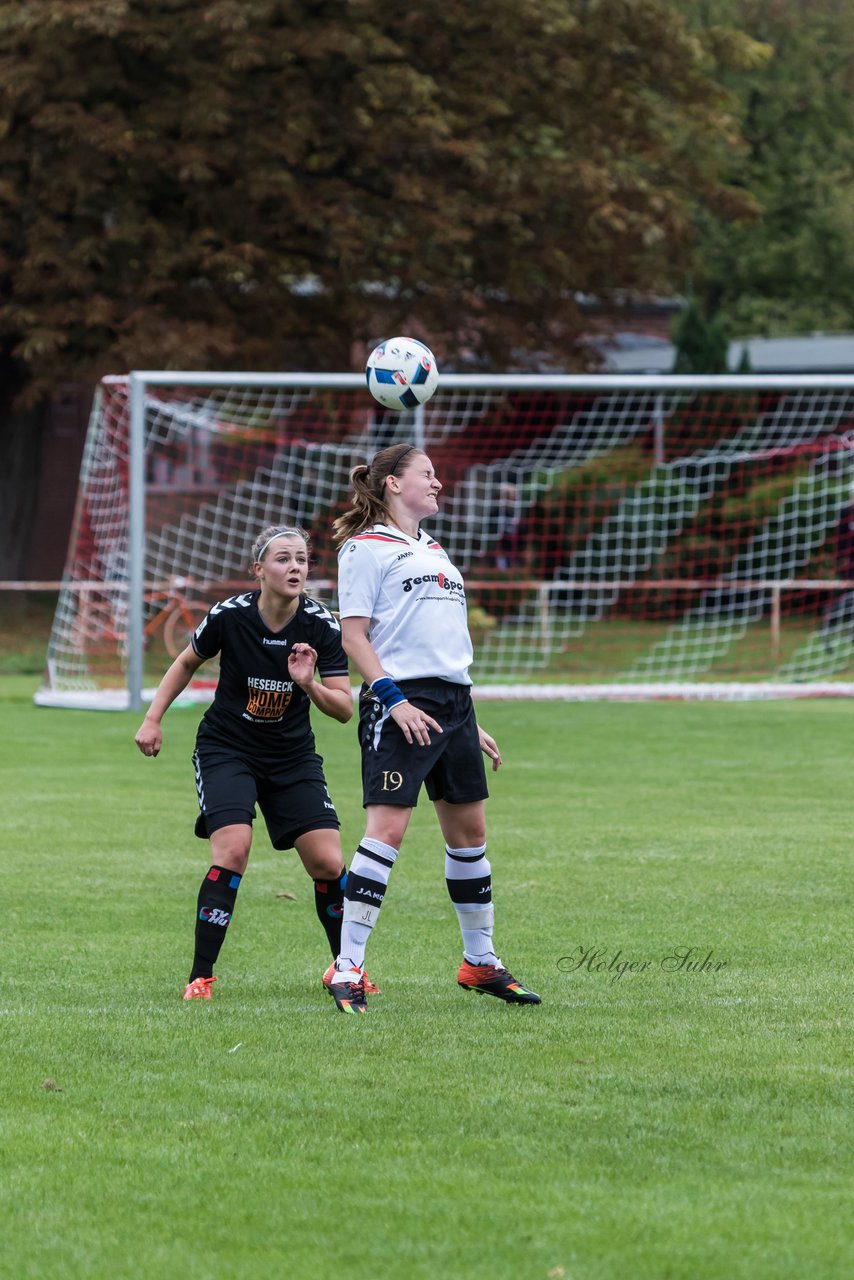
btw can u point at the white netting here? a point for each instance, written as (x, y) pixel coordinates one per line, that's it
(613, 534)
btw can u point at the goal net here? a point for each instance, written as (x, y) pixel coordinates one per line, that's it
(655, 536)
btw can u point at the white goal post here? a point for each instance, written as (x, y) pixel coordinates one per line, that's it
(623, 537)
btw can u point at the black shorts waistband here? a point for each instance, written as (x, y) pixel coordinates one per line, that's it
(433, 686)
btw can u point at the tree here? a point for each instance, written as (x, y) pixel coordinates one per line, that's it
(791, 269)
(701, 344)
(249, 183)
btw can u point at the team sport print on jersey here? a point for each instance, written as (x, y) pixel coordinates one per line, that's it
(255, 696)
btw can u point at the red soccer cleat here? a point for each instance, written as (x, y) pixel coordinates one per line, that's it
(199, 989)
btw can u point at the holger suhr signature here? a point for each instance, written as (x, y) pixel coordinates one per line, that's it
(678, 960)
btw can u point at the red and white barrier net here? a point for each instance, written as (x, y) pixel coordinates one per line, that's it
(657, 537)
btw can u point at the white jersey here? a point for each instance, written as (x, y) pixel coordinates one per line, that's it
(415, 599)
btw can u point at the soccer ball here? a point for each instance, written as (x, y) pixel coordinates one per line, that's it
(401, 373)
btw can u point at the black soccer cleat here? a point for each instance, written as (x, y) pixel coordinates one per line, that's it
(347, 989)
(495, 980)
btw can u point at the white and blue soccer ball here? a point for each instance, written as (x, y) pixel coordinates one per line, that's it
(401, 373)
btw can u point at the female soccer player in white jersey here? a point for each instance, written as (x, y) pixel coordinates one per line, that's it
(403, 616)
(255, 744)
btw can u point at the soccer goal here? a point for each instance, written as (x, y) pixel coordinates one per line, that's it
(656, 536)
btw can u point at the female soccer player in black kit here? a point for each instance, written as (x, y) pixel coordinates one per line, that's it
(403, 614)
(255, 744)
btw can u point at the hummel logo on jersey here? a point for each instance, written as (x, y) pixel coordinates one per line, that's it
(215, 915)
(264, 640)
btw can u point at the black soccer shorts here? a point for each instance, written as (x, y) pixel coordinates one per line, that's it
(292, 797)
(451, 767)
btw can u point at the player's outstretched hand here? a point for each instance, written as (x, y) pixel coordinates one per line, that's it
(149, 737)
(489, 747)
(414, 724)
(302, 660)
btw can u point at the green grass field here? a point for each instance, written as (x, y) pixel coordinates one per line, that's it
(659, 1125)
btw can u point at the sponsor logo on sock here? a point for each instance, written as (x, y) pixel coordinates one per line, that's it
(369, 893)
(215, 915)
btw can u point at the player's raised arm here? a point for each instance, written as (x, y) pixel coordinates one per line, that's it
(331, 694)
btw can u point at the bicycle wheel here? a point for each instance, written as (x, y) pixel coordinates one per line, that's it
(181, 622)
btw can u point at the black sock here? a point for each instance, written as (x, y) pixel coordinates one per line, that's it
(213, 916)
(329, 904)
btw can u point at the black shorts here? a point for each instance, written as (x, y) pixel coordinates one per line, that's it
(292, 797)
(451, 767)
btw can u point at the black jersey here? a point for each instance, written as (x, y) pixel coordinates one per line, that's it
(257, 706)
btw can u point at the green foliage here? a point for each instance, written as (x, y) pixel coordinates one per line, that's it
(792, 269)
(701, 344)
(480, 622)
(762, 500)
(25, 623)
(626, 464)
(270, 186)
(744, 365)
(262, 185)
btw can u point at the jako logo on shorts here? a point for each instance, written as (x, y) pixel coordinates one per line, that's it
(214, 915)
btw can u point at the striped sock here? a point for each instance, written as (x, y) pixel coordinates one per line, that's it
(468, 876)
(363, 897)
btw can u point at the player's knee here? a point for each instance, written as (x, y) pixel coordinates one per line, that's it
(230, 847)
(324, 866)
(320, 854)
(389, 832)
(465, 832)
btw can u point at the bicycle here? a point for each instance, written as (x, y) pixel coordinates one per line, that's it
(179, 616)
(101, 618)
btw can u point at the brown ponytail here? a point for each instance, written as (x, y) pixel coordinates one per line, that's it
(368, 506)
